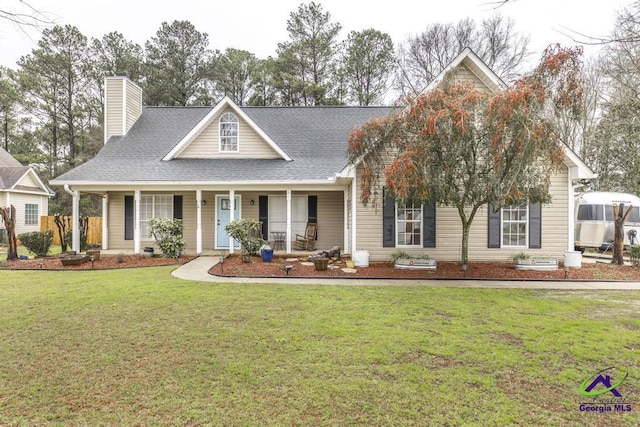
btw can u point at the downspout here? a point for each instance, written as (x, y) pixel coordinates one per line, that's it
(75, 212)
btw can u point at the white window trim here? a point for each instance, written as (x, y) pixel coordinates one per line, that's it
(37, 214)
(502, 222)
(300, 224)
(153, 211)
(421, 220)
(237, 122)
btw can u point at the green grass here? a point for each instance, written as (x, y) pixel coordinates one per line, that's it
(54, 250)
(138, 347)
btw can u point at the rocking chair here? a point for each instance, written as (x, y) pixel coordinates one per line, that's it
(307, 242)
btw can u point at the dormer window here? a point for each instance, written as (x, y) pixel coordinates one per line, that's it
(229, 133)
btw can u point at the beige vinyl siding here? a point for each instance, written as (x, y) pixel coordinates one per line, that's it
(28, 181)
(330, 220)
(18, 201)
(3, 203)
(463, 73)
(116, 222)
(114, 92)
(207, 144)
(134, 104)
(555, 230)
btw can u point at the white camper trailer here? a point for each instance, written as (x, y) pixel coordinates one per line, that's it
(594, 225)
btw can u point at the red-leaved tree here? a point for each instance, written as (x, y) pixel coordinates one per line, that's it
(457, 146)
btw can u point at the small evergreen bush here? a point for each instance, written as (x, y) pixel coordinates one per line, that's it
(248, 233)
(37, 242)
(168, 234)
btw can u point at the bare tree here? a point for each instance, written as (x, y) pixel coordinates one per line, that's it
(421, 58)
(24, 15)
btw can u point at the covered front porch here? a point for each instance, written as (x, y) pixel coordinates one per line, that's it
(205, 212)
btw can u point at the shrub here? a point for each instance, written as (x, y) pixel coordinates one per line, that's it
(400, 254)
(248, 233)
(37, 242)
(634, 255)
(168, 234)
(83, 240)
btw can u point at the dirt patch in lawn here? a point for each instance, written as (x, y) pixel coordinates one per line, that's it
(105, 262)
(234, 266)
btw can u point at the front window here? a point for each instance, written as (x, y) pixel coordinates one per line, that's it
(30, 214)
(409, 225)
(229, 132)
(154, 206)
(278, 213)
(514, 226)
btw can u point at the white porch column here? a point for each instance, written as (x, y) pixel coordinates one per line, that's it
(571, 241)
(354, 205)
(105, 222)
(288, 240)
(232, 208)
(75, 213)
(345, 244)
(198, 222)
(136, 221)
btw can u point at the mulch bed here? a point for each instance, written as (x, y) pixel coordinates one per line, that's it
(105, 262)
(234, 267)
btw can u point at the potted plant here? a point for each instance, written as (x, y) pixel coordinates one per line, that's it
(525, 261)
(266, 252)
(402, 259)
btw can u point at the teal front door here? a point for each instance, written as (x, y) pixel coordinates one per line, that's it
(223, 217)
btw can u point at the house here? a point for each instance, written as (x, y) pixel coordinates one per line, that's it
(285, 166)
(21, 188)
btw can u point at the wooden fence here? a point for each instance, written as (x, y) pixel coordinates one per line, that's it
(94, 230)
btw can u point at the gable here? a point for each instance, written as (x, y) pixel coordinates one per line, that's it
(468, 66)
(226, 105)
(465, 72)
(207, 144)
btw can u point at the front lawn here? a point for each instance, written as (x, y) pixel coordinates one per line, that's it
(138, 347)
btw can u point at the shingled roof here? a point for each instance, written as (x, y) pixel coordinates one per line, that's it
(315, 138)
(10, 170)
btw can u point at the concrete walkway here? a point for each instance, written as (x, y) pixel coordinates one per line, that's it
(199, 267)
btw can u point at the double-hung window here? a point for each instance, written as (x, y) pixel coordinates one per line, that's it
(514, 226)
(409, 225)
(278, 213)
(229, 133)
(154, 206)
(30, 214)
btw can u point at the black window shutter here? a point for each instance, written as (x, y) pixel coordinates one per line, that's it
(494, 227)
(535, 226)
(429, 225)
(263, 215)
(177, 207)
(312, 205)
(388, 220)
(128, 217)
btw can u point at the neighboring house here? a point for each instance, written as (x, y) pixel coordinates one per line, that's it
(21, 188)
(284, 166)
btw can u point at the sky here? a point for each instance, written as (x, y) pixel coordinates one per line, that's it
(259, 25)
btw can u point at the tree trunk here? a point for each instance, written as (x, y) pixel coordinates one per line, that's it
(619, 217)
(9, 217)
(464, 257)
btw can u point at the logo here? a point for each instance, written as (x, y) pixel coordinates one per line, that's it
(602, 387)
(605, 380)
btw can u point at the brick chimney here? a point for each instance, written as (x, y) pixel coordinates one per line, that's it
(122, 105)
